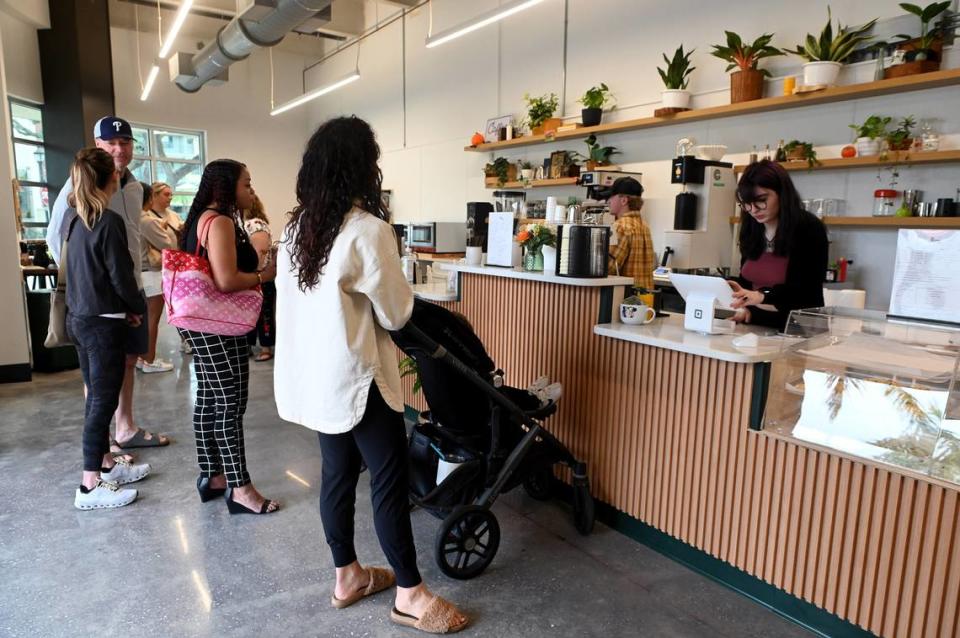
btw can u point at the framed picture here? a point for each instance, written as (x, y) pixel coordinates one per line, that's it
(559, 163)
(492, 132)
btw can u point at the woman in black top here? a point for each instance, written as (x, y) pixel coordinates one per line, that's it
(221, 363)
(102, 298)
(783, 249)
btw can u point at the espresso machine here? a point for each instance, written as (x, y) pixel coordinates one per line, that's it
(701, 237)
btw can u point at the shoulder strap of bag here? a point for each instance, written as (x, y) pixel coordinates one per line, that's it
(62, 274)
(206, 227)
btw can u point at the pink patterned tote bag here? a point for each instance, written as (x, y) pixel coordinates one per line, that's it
(194, 302)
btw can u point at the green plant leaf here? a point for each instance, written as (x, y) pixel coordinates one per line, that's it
(912, 8)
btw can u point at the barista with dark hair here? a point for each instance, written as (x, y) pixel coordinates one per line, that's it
(783, 249)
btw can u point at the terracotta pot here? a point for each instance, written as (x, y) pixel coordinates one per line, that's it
(901, 146)
(796, 155)
(552, 124)
(591, 165)
(536, 130)
(746, 85)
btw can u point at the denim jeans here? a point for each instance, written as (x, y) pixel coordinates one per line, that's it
(100, 348)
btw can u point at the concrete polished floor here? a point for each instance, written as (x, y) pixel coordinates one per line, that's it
(170, 566)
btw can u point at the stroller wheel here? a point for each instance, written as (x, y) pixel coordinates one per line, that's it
(467, 541)
(583, 512)
(539, 485)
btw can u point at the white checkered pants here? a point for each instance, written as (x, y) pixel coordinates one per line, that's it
(222, 367)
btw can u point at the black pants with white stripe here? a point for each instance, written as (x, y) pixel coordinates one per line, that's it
(222, 369)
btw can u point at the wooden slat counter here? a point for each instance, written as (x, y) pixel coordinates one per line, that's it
(665, 435)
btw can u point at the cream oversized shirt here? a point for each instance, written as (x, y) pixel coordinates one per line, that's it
(332, 340)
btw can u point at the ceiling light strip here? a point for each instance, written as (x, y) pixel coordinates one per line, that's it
(151, 78)
(480, 21)
(175, 28)
(353, 76)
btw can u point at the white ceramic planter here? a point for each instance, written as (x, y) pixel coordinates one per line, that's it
(675, 98)
(474, 255)
(527, 174)
(867, 147)
(816, 73)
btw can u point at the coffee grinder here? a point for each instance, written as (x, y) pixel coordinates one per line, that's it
(701, 236)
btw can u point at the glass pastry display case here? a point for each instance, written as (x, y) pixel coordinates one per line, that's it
(870, 386)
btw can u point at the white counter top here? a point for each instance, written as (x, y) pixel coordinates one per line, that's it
(436, 291)
(517, 273)
(668, 332)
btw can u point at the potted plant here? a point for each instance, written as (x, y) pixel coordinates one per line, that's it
(526, 171)
(901, 138)
(502, 169)
(593, 102)
(540, 112)
(869, 134)
(798, 151)
(533, 237)
(922, 54)
(675, 79)
(747, 82)
(826, 54)
(598, 155)
(408, 366)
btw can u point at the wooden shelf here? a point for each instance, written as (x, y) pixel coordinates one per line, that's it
(885, 222)
(537, 183)
(917, 82)
(900, 158)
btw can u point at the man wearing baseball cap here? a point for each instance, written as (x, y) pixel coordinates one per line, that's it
(632, 256)
(114, 135)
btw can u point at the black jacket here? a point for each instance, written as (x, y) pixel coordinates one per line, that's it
(806, 268)
(99, 267)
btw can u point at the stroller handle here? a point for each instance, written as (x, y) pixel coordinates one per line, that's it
(430, 347)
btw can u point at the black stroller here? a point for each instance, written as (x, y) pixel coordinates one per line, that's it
(486, 435)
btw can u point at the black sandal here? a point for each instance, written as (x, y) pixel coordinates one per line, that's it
(239, 508)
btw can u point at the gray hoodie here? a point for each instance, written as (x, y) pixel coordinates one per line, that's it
(126, 202)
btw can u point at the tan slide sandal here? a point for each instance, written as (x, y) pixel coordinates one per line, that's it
(380, 579)
(437, 619)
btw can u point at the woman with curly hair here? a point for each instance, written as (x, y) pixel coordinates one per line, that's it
(340, 289)
(221, 362)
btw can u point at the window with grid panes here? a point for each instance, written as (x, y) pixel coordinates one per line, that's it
(173, 156)
(26, 130)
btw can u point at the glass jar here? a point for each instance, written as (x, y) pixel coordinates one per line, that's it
(884, 202)
(930, 140)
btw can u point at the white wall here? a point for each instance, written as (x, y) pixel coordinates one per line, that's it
(14, 346)
(235, 116)
(20, 45)
(453, 89)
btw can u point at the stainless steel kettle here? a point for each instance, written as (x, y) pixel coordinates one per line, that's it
(582, 250)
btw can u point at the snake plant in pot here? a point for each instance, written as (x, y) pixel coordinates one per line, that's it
(746, 83)
(676, 78)
(826, 55)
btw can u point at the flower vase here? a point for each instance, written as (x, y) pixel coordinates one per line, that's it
(533, 259)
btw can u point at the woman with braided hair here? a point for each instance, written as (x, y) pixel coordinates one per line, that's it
(221, 362)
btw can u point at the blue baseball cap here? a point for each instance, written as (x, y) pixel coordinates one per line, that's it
(108, 128)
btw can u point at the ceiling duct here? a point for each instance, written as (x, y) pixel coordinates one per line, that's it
(263, 23)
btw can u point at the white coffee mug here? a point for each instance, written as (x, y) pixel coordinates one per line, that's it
(636, 315)
(474, 255)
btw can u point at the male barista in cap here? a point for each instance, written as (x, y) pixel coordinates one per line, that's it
(632, 256)
(114, 135)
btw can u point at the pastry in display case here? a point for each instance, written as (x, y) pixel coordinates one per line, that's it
(870, 386)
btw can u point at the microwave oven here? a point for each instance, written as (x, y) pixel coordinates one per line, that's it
(437, 237)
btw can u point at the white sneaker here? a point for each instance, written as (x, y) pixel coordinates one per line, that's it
(139, 363)
(126, 472)
(157, 365)
(104, 495)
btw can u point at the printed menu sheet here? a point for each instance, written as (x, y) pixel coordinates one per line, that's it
(926, 278)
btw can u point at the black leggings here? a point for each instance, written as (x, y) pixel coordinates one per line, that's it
(266, 327)
(100, 349)
(380, 441)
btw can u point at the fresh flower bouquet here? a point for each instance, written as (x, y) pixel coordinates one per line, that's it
(533, 237)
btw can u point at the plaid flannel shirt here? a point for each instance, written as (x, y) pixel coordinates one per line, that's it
(633, 255)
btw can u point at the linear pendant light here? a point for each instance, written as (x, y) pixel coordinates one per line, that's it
(480, 21)
(154, 70)
(175, 28)
(353, 76)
